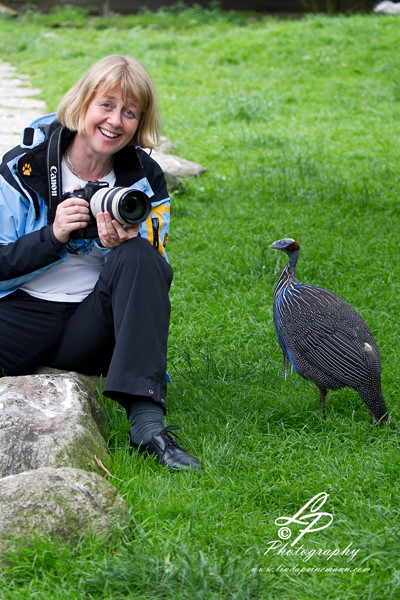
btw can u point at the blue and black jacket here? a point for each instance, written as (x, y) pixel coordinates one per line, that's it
(27, 243)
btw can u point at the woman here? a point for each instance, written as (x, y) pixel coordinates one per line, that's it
(97, 304)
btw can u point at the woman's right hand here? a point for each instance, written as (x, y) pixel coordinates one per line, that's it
(71, 214)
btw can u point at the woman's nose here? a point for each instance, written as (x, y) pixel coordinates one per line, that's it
(115, 118)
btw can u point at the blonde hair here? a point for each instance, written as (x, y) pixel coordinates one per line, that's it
(108, 73)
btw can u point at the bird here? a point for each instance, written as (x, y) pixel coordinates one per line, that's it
(324, 338)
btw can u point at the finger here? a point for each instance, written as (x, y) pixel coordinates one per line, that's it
(103, 224)
(72, 203)
(68, 219)
(112, 233)
(107, 234)
(119, 229)
(62, 228)
(126, 232)
(132, 228)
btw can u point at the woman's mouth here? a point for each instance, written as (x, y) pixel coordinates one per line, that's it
(108, 134)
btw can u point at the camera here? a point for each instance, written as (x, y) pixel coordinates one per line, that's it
(128, 206)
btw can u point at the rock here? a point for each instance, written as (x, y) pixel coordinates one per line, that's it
(61, 503)
(49, 420)
(387, 8)
(175, 167)
(6, 10)
(180, 167)
(49, 435)
(165, 145)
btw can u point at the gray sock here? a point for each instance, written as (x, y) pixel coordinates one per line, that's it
(146, 417)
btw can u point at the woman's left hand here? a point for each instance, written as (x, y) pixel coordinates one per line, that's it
(112, 233)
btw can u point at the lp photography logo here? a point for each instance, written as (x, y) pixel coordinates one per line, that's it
(292, 540)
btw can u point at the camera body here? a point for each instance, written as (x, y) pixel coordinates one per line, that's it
(128, 206)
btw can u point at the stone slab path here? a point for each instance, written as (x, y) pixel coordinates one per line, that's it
(18, 106)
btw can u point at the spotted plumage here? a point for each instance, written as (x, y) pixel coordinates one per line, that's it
(324, 338)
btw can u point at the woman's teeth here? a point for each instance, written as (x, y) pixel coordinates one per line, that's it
(108, 133)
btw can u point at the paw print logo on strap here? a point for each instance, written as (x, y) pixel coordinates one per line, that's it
(27, 169)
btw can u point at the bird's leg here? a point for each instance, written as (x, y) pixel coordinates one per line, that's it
(322, 396)
(285, 366)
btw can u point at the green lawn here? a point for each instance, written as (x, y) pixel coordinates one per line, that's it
(297, 124)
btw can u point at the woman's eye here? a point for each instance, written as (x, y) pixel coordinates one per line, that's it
(106, 105)
(130, 114)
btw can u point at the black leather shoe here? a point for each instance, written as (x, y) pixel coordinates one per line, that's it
(165, 448)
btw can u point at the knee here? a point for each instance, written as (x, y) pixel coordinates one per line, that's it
(134, 249)
(138, 254)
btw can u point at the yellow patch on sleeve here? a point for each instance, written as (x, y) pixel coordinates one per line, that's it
(157, 211)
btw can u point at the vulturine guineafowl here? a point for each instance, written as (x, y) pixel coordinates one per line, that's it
(324, 338)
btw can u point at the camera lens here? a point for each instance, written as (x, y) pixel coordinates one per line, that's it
(126, 205)
(132, 206)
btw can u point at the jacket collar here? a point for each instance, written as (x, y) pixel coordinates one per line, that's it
(32, 166)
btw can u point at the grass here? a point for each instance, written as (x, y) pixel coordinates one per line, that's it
(297, 123)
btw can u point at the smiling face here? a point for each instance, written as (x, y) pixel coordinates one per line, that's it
(110, 122)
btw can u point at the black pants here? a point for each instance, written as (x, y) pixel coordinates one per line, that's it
(120, 330)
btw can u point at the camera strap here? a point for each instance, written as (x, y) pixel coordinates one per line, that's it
(54, 171)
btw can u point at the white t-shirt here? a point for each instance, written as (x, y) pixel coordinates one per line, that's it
(74, 278)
